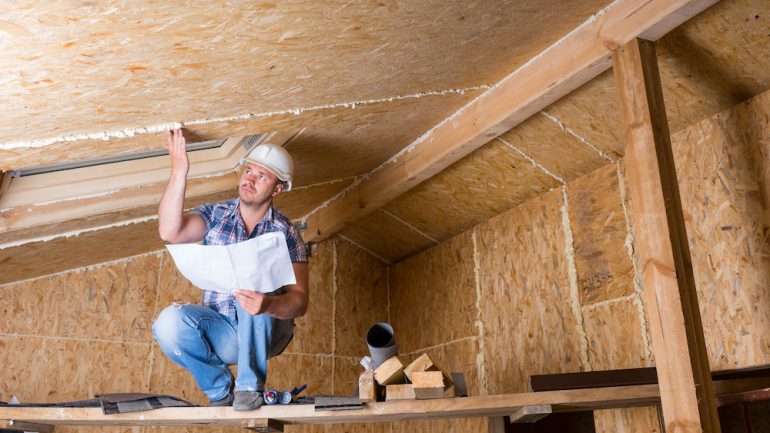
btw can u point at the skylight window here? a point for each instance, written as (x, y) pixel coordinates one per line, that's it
(133, 156)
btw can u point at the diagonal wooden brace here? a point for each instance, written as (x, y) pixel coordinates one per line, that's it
(263, 425)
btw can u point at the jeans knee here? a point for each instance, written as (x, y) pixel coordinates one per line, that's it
(170, 322)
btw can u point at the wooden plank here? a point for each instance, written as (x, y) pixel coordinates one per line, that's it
(492, 405)
(661, 245)
(531, 413)
(576, 59)
(23, 426)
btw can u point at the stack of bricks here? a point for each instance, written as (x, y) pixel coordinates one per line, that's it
(420, 380)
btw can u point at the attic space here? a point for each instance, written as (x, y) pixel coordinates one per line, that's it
(519, 188)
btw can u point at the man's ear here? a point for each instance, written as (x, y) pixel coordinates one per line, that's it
(278, 188)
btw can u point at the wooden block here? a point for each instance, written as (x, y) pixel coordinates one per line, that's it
(422, 363)
(399, 392)
(531, 413)
(262, 425)
(428, 384)
(390, 372)
(428, 379)
(367, 389)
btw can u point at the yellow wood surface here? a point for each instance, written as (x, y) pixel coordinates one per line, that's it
(661, 245)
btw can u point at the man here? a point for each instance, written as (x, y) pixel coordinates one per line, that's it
(245, 327)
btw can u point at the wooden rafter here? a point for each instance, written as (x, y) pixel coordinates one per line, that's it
(661, 246)
(576, 59)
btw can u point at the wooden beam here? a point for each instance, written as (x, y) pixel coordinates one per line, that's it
(660, 243)
(562, 68)
(23, 426)
(493, 405)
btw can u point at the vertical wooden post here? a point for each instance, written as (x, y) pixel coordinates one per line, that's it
(660, 243)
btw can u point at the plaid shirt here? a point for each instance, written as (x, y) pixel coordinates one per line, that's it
(224, 226)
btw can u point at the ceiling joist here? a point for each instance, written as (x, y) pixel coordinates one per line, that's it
(566, 65)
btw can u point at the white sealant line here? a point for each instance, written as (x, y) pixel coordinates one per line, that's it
(387, 262)
(414, 229)
(638, 288)
(328, 182)
(438, 346)
(163, 127)
(489, 90)
(532, 161)
(580, 138)
(75, 233)
(151, 360)
(82, 268)
(569, 252)
(79, 339)
(480, 360)
(82, 197)
(591, 307)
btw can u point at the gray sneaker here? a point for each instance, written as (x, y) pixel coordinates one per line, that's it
(224, 401)
(248, 400)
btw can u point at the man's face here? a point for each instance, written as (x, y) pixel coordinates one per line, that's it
(257, 185)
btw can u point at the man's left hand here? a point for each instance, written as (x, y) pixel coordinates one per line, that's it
(253, 302)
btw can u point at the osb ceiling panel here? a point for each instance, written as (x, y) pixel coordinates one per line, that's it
(335, 142)
(479, 186)
(387, 236)
(300, 201)
(708, 64)
(131, 64)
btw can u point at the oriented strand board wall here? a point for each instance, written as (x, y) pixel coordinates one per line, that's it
(88, 331)
(556, 281)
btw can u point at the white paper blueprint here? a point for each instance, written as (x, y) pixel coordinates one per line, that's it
(261, 264)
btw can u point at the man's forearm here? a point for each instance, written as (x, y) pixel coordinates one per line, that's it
(170, 212)
(287, 306)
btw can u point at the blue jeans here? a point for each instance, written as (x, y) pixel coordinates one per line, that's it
(205, 342)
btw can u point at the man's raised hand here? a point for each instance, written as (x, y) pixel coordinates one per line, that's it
(177, 150)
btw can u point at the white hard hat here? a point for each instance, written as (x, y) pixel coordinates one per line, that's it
(274, 158)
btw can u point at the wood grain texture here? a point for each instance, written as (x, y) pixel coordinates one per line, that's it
(485, 183)
(298, 202)
(178, 64)
(615, 336)
(671, 304)
(529, 327)
(629, 420)
(313, 332)
(579, 57)
(387, 236)
(436, 284)
(360, 299)
(92, 367)
(111, 303)
(723, 163)
(60, 254)
(543, 139)
(599, 230)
